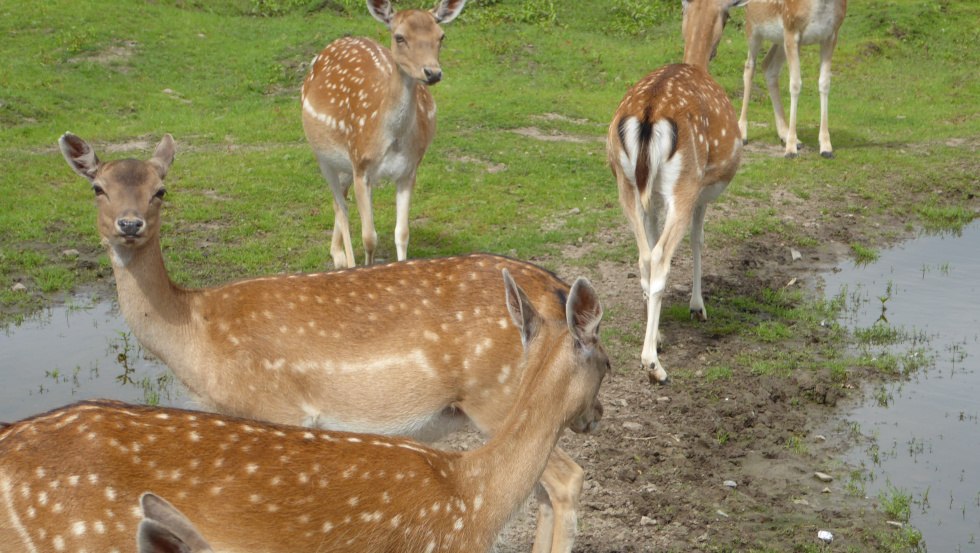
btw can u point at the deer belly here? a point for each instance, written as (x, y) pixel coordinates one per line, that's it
(395, 165)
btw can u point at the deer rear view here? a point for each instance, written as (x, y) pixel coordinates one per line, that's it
(70, 480)
(411, 348)
(368, 116)
(673, 145)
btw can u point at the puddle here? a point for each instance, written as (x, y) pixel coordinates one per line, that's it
(924, 434)
(82, 350)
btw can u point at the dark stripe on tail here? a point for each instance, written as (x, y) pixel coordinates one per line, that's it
(673, 138)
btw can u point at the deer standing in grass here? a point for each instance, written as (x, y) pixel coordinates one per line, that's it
(673, 146)
(790, 24)
(368, 116)
(70, 479)
(411, 348)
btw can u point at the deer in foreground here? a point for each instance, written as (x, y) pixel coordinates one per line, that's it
(673, 145)
(790, 24)
(410, 348)
(70, 479)
(164, 529)
(368, 116)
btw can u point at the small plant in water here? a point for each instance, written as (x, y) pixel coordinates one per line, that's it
(896, 503)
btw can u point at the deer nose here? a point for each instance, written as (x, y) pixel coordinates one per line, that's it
(432, 76)
(129, 227)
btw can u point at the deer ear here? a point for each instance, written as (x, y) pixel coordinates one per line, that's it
(163, 156)
(79, 155)
(382, 11)
(523, 314)
(447, 10)
(164, 529)
(584, 313)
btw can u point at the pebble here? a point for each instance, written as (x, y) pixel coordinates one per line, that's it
(801, 502)
(795, 254)
(825, 490)
(19, 287)
(825, 536)
(894, 523)
(70, 254)
(820, 438)
(721, 513)
(823, 476)
(620, 402)
(731, 484)
(647, 521)
(663, 399)
(633, 426)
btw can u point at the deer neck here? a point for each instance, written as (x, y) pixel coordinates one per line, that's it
(403, 99)
(156, 310)
(501, 473)
(698, 55)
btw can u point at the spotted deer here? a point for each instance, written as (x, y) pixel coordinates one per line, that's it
(368, 116)
(164, 529)
(790, 24)
(673, 145)
(410, 348)
(70, 479)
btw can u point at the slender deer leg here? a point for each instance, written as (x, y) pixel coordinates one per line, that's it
(403, 198)
(562, 479)
(792, 44)
(826, 52)
(697, 242)
(545, 524)
(675, 226)
(755, 43)
(362, 191)
(341, 248)
(772, 65)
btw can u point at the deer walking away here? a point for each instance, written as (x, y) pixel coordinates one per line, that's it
(673, 146)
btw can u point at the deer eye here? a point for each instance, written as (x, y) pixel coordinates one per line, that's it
(400, 39)
(160, 193)
(99, 191)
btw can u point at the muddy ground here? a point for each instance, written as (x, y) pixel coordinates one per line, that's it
(656, 469)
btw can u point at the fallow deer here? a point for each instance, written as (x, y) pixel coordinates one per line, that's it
(673, 146)
(408, 348)
(164, 529)
(790, 24)
(70, 479)
(368, 116)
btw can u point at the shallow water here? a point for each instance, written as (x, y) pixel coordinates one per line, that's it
(78, 351)
(926, 434)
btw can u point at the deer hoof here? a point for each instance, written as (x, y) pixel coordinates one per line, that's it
(827, 155)
(699, 314)
(791, 155)
(657, 375)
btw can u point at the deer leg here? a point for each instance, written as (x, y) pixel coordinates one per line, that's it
(697, 244)
(755, 43)
(561, 483)
(791, 41)
(362, 192)
(772, 65)
(341, 248)
(403, 198)
(675, 222)
(826, 52)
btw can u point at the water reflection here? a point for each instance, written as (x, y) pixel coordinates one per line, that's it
(918, 308)
(82, 350)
